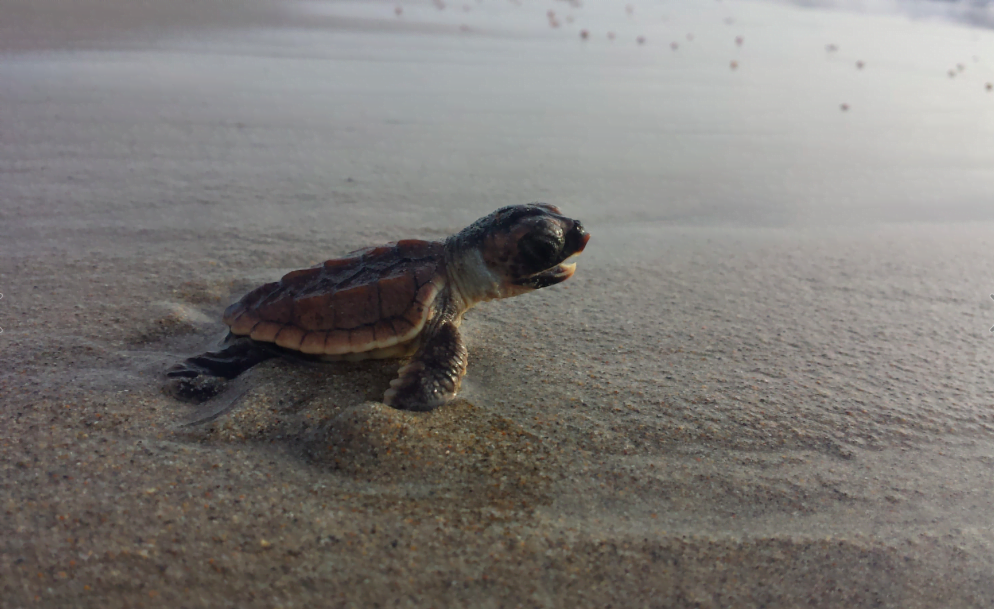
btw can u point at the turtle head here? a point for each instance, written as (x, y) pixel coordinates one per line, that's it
(524, 248)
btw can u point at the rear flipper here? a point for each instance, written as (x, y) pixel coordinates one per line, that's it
(200, 378)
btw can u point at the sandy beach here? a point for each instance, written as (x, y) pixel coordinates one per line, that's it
(769, 383)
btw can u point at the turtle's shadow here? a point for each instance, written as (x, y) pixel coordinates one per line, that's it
(329, 417)
(271, 394)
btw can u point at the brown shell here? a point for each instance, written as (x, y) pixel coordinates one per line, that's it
(371, 299)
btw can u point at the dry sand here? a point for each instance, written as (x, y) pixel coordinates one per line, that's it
(768, 384)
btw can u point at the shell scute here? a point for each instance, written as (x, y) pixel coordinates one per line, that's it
(426, 294)
(361, 337)
(337, 342)
(314, 312)
(415, 315)
(424, 274)
(278, 309)
(337, 263)
(396, 294)
(296, 275)
(232, 313)
(313, 343)
(244, 323)
(414, 249)
(378, 252)
(266, 331)
(402, 327)
(290, 337)
(356, 306)
(249, 303)
(384, 333)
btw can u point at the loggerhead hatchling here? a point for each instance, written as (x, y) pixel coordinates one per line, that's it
(403, 299)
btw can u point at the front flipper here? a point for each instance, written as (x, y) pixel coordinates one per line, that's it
(433, 375)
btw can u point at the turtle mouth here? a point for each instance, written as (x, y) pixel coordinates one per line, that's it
(557, 274)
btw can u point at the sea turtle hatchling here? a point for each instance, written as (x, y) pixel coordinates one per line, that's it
(403, 299)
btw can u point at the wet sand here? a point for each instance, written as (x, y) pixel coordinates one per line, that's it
(768, 383)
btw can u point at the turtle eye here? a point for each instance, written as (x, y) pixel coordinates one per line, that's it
(540, 249)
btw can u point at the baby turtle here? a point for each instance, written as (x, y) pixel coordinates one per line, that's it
(403, 299)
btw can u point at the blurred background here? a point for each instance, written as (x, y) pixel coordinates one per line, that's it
(753, 113)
